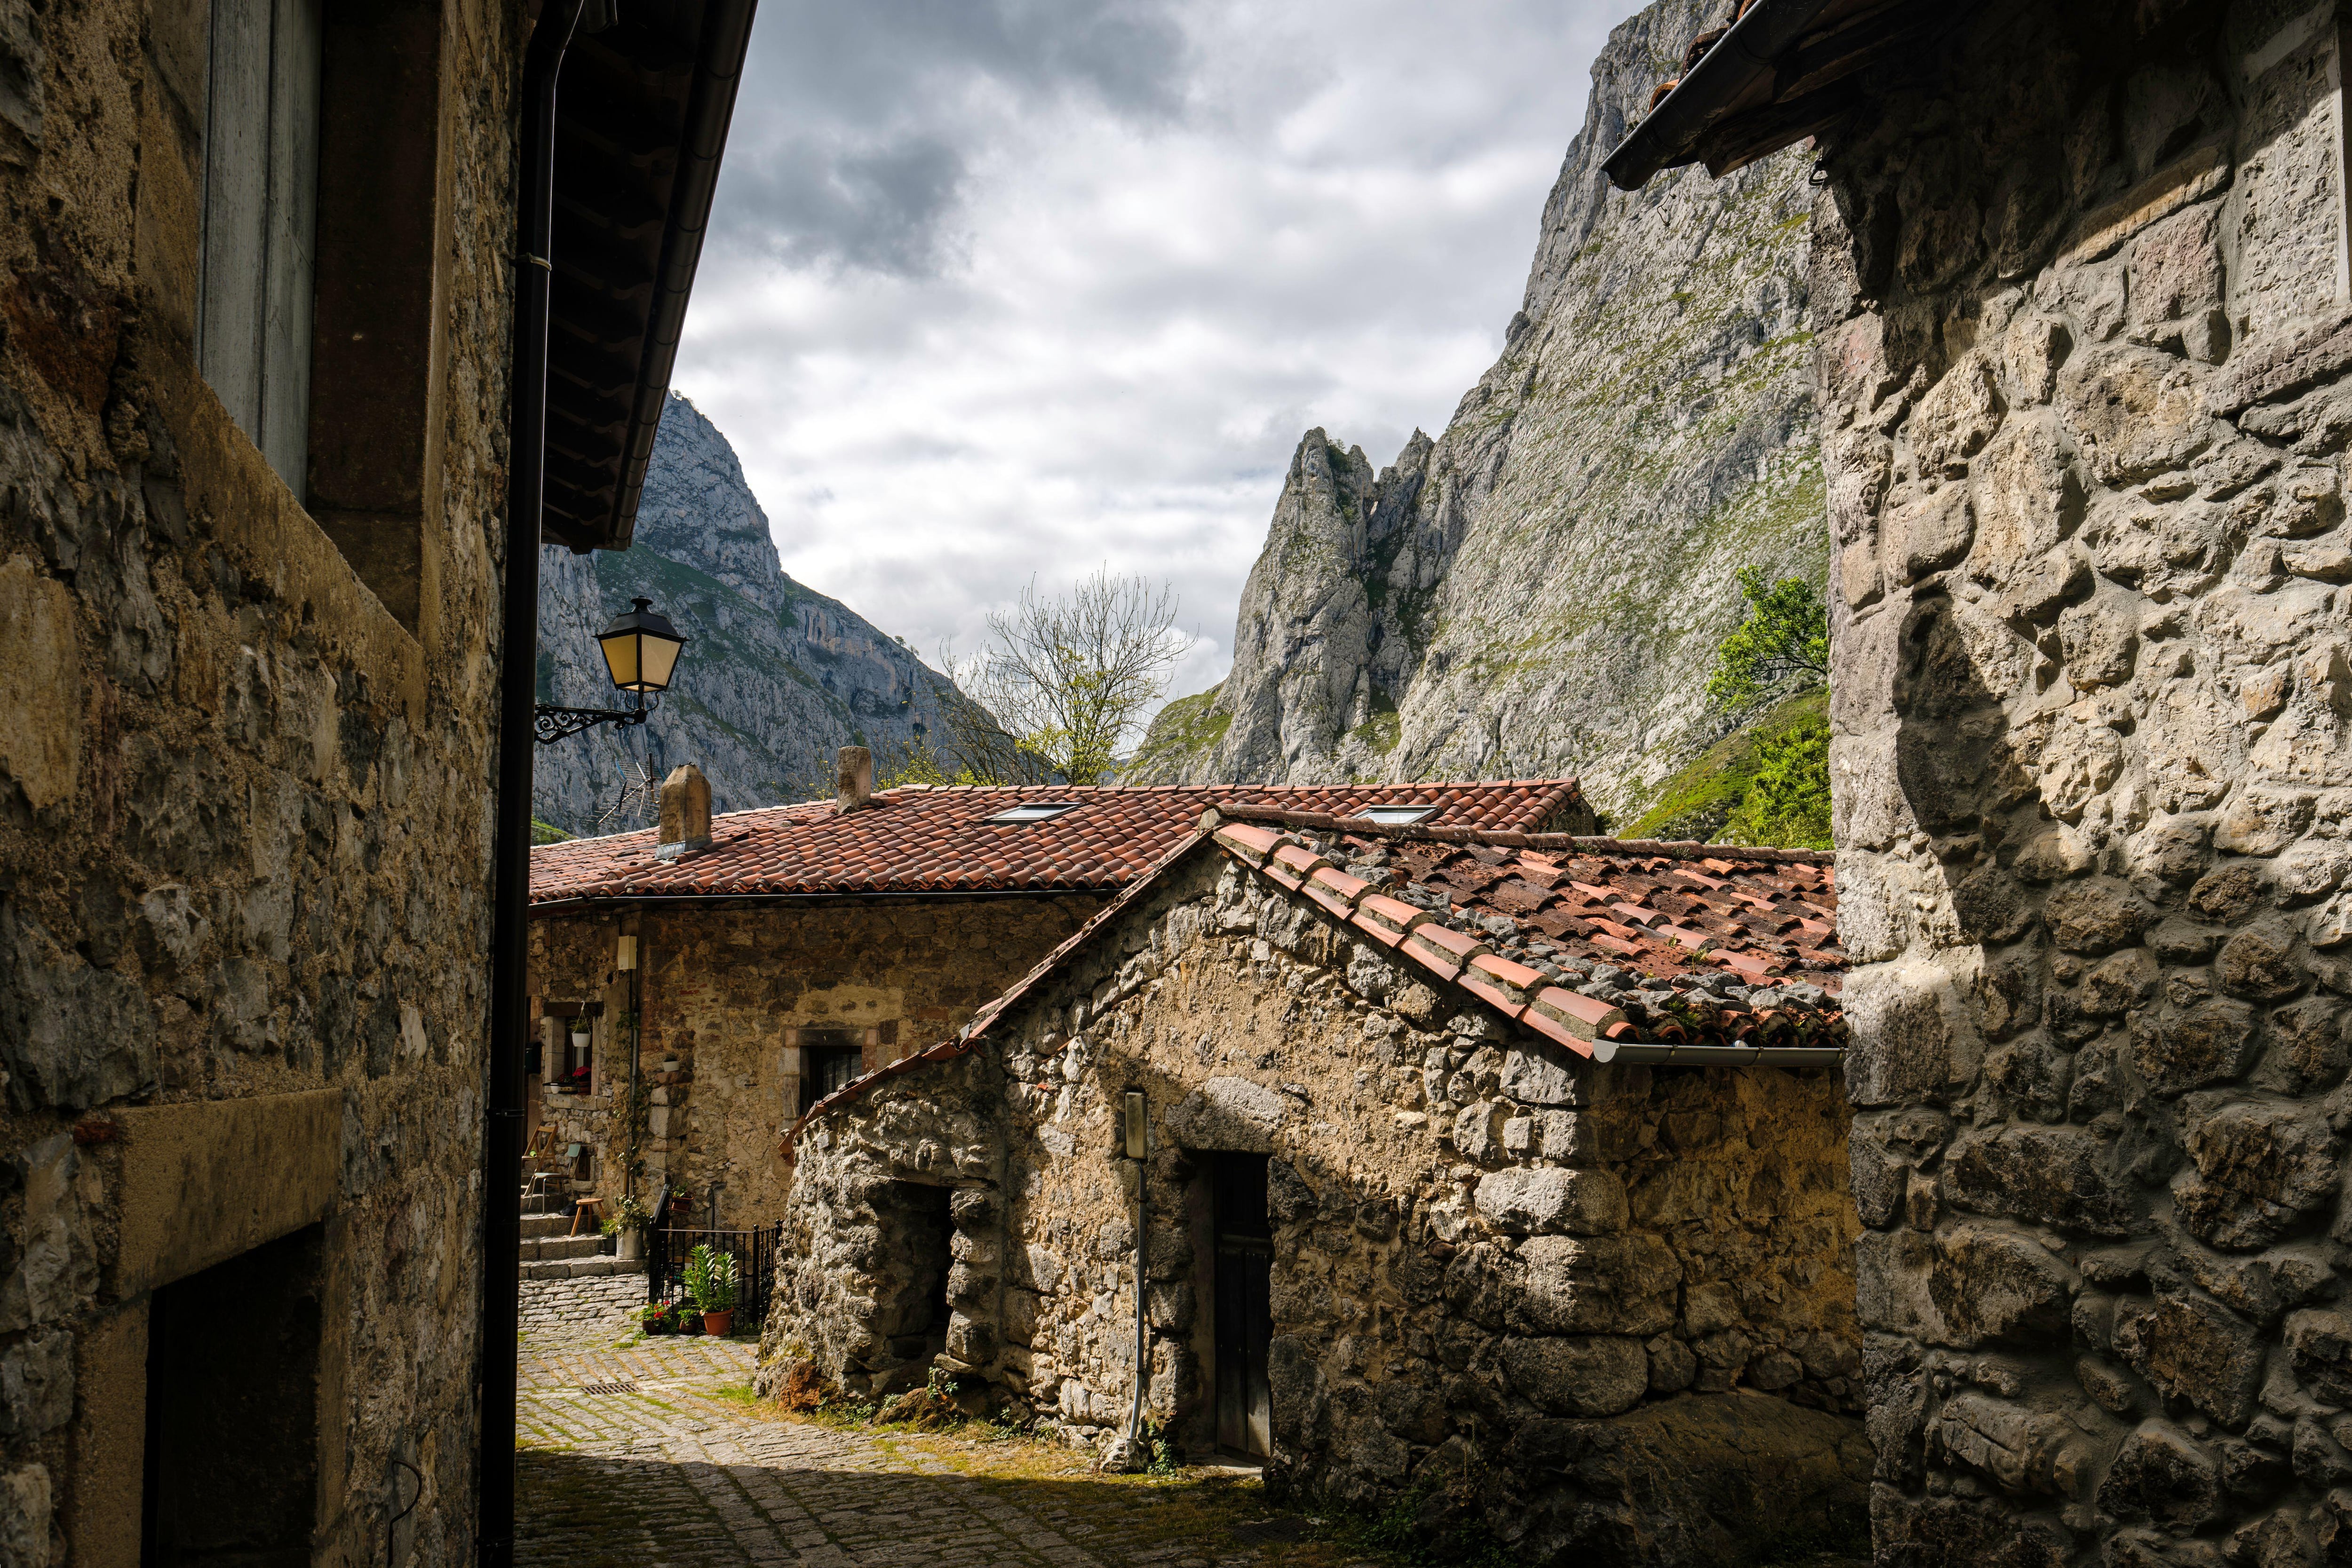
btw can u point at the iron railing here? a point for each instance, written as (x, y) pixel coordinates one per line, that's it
(667, 1249)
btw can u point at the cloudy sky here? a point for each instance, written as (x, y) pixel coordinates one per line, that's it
(1004, 288)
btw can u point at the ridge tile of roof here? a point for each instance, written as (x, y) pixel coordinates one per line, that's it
(937, 841)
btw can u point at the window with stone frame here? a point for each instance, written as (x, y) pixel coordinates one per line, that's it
(579, 1060)
(572, 1057)
(315, 315)
(260, 222)
(831, 1059)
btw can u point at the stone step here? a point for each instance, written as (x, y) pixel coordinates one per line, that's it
(548, 1202)
(537, 1225)
(545, 1248)
(581, 1268)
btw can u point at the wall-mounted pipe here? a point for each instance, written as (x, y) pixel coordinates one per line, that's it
(1136, 1129)
(510, 1021)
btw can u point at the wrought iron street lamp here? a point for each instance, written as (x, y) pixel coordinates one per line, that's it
(641, 650)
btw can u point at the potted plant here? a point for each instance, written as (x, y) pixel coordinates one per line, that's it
(710, 1281)
(626, 1224)
(657, 1318)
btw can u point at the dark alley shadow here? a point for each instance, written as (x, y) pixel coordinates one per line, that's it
(587, 1511)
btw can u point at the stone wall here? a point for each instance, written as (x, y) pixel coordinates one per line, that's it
(1494, 1262)
(2080, 361)
(244, 834)
(720, 989)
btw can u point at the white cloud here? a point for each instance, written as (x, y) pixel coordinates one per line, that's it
(1004, 288)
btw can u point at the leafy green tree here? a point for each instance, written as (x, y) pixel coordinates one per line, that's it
(1783, 646)
(1788, 800)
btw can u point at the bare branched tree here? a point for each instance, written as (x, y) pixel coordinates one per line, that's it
(1063, 683)
(635, 803)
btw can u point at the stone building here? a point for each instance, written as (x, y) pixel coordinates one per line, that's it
(781, 953)
(255, 349)
(2080, 286)
(1505, 1170)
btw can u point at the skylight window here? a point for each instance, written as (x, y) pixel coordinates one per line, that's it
(1032, 811)
(1396, 816)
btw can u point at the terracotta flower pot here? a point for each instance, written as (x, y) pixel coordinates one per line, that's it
(718, 1322)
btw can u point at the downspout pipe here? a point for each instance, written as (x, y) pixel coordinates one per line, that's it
(1136, 1456)
(510, 1021)
(1130, 1452)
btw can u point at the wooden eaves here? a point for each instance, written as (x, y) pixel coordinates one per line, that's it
(1785, 71)
(641, 123)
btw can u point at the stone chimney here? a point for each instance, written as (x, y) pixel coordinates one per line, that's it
(684, 813)
(854, 788)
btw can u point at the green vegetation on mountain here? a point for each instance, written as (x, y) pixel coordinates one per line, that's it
(1187, 728)
(1703, 799)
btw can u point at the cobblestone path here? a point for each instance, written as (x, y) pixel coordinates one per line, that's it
(649, 1452)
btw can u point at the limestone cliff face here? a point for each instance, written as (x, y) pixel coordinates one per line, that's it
(776, 677)
(1542, 590)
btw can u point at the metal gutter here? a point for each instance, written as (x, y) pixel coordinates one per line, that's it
(510, 1019)
(1708, 88)
(1653, 1053)
(632, 900)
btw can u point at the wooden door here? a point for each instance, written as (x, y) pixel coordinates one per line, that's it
(1245, 1322)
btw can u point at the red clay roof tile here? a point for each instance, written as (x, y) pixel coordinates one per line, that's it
(935, 840)
(1557, 946)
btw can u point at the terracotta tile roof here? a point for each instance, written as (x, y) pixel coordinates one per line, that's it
(1581, 939)
(1688, 944)
(936, 841)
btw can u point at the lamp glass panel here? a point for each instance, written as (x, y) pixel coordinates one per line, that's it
(621, 658)
(657, 657)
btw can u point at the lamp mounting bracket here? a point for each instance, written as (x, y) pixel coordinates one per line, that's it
(549, 725)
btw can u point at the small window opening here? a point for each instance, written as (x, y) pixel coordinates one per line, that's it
(579, 1062)
(1032, 811)
(1395, 816)
(232, 1457)
(831, 1059)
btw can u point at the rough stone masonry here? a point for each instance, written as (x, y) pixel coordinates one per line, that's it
(244, 842)
(2081, 355)
(1601, 1312)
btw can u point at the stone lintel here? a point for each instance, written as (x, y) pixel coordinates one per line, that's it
(201, 1182)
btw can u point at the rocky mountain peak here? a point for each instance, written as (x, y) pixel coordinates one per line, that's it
(698, 509)
(776, 677)
(1540, 589)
